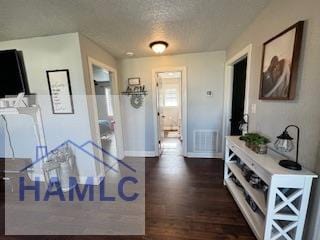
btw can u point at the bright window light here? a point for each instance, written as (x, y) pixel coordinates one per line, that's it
(109, 102)
(170, 98)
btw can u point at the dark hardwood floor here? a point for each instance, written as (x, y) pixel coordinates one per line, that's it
(185, 199)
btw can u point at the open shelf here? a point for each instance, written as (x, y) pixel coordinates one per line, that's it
(256, 194)
(255, 220)
(288, 191)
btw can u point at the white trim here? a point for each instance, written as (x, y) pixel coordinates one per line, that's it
(139, 153)
(246, 52)
(116, 103)
(204, 155)
(184, 104)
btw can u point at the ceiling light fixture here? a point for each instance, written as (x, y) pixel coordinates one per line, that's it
(129, 54)
(158, 46)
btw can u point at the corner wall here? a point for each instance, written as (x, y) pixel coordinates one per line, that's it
(272, 116)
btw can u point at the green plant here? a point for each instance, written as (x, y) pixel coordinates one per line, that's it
(254, 139)
(251, 137)
(261, 140)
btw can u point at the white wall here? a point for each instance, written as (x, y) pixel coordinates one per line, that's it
(49, 53)
(272, 116)
(205, 71)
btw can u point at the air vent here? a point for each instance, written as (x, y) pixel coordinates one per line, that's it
(205, 140)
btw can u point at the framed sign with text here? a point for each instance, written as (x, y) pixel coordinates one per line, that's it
(60, 91)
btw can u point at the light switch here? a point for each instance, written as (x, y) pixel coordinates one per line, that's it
(253, 108)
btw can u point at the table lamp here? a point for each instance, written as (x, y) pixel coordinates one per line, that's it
(284, 143)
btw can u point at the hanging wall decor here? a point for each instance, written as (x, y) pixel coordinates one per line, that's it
(60, 91)
(280, 63)
(135, 91)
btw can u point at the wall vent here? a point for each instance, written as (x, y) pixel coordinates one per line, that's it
(205, 140)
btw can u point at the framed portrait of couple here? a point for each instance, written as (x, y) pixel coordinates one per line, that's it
(280, 61)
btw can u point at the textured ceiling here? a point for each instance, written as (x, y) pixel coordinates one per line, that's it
(130, 25)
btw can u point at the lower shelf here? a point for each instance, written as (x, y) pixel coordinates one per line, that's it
(255, 220)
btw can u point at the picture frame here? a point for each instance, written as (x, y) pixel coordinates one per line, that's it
(60, 91)
(280, 63)
(134, 81)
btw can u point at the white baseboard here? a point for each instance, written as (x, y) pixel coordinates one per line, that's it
(204, 155)
(139, 153)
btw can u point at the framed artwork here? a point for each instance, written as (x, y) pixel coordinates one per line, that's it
(280, 61)
(134, 81)
(60, 91)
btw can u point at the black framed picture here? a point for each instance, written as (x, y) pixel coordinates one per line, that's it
(60, 91)
(280, 62)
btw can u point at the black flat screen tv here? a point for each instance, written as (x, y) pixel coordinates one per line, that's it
(13, 77)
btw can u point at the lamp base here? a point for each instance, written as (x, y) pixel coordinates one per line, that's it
(290, 165)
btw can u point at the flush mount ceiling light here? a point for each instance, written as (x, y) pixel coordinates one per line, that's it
(158, 46)
(129, 54)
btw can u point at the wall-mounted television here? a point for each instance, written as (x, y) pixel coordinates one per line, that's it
(13, 77)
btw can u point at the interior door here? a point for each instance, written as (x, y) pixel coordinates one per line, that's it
(160, 114)
(238, 96)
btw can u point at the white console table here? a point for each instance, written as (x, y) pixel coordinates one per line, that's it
(282, 214)
(35, 113)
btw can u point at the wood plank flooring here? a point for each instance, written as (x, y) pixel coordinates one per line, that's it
(185, 200)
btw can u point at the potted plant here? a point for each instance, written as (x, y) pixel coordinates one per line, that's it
(260, 145)
(256, 142)
(250, 139)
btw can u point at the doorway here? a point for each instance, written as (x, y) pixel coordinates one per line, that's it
(238, 96)
(236, 92)
(103, 87)
(170, 111)
(106, 105)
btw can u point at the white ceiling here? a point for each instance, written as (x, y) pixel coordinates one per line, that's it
(130, 25)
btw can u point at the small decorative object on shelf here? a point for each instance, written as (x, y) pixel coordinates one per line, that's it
(251, 203)
(256, 142)
(284, 144)
(236, 181)
(244, 123)
(136, 91)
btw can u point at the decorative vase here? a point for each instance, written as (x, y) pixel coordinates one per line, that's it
(248, 144)
(261, 149)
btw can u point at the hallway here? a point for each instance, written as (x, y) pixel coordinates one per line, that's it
(171, 144)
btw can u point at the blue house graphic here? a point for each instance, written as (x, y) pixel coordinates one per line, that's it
(81, 148)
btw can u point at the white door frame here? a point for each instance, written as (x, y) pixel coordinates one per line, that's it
(228, 83)
(116, 105)
(184, 115)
